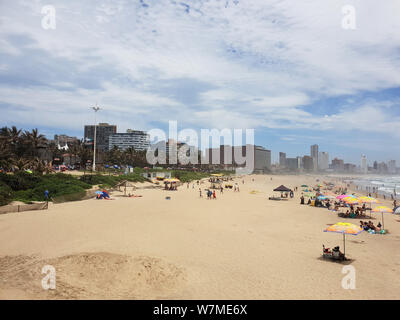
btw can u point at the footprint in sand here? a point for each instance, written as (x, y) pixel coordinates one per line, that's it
(97, 275)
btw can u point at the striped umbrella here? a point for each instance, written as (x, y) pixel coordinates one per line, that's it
(351, 201)
(344, 228)
(382, 209)
(342, 196)
(368, 200)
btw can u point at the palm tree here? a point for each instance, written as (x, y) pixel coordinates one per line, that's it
(21, 164)
(40, 166)
(114, 156)
(33, 141)
(83, 153)
(6, 156)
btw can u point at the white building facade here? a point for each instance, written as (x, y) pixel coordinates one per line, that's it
(138, 140)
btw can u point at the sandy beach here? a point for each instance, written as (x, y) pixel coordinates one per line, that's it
(239, 246)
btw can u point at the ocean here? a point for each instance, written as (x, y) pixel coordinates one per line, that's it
(384, 185)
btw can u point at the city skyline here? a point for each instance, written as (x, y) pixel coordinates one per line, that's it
(325, 160)
(209, 64)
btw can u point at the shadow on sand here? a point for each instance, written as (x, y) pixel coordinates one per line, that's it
(343, 262)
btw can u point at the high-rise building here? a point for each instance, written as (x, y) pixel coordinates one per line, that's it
(314, 154)
(262, 159)
(293, 164)
(350, 168)
(392, 167)
(282, 160)
(62, 140)
(383, 168)
(323, 161)
(138, 140)
(225, 156)
(103, 132)
(308, 163)
(364, 165)
(338, 164)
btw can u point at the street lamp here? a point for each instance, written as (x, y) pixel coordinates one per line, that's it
(96, 108)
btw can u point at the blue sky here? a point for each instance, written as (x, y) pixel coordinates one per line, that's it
(285, 68)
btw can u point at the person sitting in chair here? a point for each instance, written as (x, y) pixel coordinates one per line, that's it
(336, 252)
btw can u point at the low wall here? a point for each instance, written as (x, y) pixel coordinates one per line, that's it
(23, 207)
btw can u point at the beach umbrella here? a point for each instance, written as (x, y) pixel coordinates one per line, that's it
(322, 197)
(351, 201)
(344, 228)
(397, 210)
(368, 200)
(382, 209)
(304, 186)
(99, 192)
(341, 196)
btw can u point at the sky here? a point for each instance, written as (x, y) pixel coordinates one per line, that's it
(287, 69)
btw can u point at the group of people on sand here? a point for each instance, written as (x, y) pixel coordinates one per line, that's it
(171, 187)
(211, 195)
(369, 226)
(359, 211)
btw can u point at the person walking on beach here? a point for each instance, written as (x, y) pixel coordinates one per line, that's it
(222, 189)
(214, 196)
(200, 193)
(46, 195)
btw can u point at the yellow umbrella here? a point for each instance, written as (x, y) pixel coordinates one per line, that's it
(344, 228)
(217, 174)
(352, 201)
(171, 180)
(369, 200)
(382, 209)
(365, 199)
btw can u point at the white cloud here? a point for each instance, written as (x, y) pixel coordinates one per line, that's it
(263, 63)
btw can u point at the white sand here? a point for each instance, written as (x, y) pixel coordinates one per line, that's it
(240, 246)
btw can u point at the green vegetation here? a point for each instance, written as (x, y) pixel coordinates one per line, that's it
(188, 176)
(26, 187)
(5, 194)
(30, 187)
(111, 181)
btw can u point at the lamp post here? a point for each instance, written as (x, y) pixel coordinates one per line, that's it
(96, 108)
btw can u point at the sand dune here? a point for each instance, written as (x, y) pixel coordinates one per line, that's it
(240, 246)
